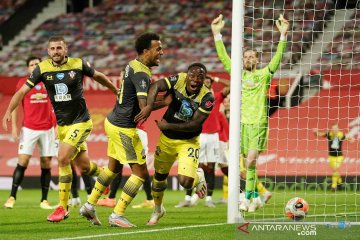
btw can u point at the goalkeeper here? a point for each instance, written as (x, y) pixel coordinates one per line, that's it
(254, 121)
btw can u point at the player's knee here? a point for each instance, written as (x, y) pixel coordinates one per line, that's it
(159, 186)
(186, 182)
(45, 162)
(24, 160)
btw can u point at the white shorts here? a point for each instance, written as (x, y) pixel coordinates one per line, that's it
(144, 139)
(209, 148)
(44, 139)
(224, 152)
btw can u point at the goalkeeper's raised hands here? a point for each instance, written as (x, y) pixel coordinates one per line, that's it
(282, 24)
(217, 24)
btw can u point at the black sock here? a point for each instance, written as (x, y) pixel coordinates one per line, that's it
(189, 192)
(18, 176)
(147, 188)
(45, 182)
(89, 182)
(114, 186)
(242, 185)
(225, 170)
(74, 184)
(210, 180)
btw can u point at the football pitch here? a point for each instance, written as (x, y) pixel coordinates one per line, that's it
(28, 221)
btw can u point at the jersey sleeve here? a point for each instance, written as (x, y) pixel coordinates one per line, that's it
(276, 59)
(141, 81)
(222, 54)
(87, 69)
(34, 78)
(172, 80)
(219, 97)
(207, 103)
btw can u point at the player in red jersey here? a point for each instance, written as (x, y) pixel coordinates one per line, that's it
(37, 129)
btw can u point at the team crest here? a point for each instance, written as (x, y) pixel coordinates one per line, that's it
(38, 87)
(72, 74)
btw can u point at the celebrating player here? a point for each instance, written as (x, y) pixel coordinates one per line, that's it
(180, 128)
(124, 146)
(335, 139)
(62, 76)
(254, 121)
(37, 129)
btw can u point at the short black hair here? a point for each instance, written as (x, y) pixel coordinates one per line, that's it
(197, 64)
(30, 58)
(144, 41)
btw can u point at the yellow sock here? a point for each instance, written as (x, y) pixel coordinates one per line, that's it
(104, 180)
(225, 187)
(128, 193)
(334, 179)
(261, 188)
(65, 180)
(94, 169)
(158, 190)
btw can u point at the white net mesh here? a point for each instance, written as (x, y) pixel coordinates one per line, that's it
(318, 86)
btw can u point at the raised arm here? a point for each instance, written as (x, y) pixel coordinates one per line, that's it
(216, 26)
(282, 25)
(105, 81)
(318, 133)
(14, 103)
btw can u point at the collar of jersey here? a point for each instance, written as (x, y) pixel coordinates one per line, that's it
(67, 59)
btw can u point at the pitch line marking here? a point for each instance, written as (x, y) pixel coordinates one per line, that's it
(141, 231)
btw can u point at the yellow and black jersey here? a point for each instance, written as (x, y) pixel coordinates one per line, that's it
(64, 85)
(183, 106)
(134, 85)
(335, 143)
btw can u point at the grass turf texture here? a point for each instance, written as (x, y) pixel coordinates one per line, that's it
(28, 221)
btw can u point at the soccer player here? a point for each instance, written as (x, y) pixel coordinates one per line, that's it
(180, 128)
(124, 146)
(335, 139)
(62, 77)
(114, 186)
(209, 146)
(254, 120)
(37, 129)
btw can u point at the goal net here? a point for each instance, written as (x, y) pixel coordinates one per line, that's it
(317, 88)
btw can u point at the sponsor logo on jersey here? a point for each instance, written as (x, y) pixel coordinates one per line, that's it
(60, 76)
(185, 111)
(72, 74)
(61, 93)
(38, 96)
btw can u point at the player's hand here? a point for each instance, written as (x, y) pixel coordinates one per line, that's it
(15, 134)
(5, 120)
(282, 24)
(143, 114)
(162, 124)
(217, 24)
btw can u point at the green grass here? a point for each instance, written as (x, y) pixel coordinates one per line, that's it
(28, 221)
